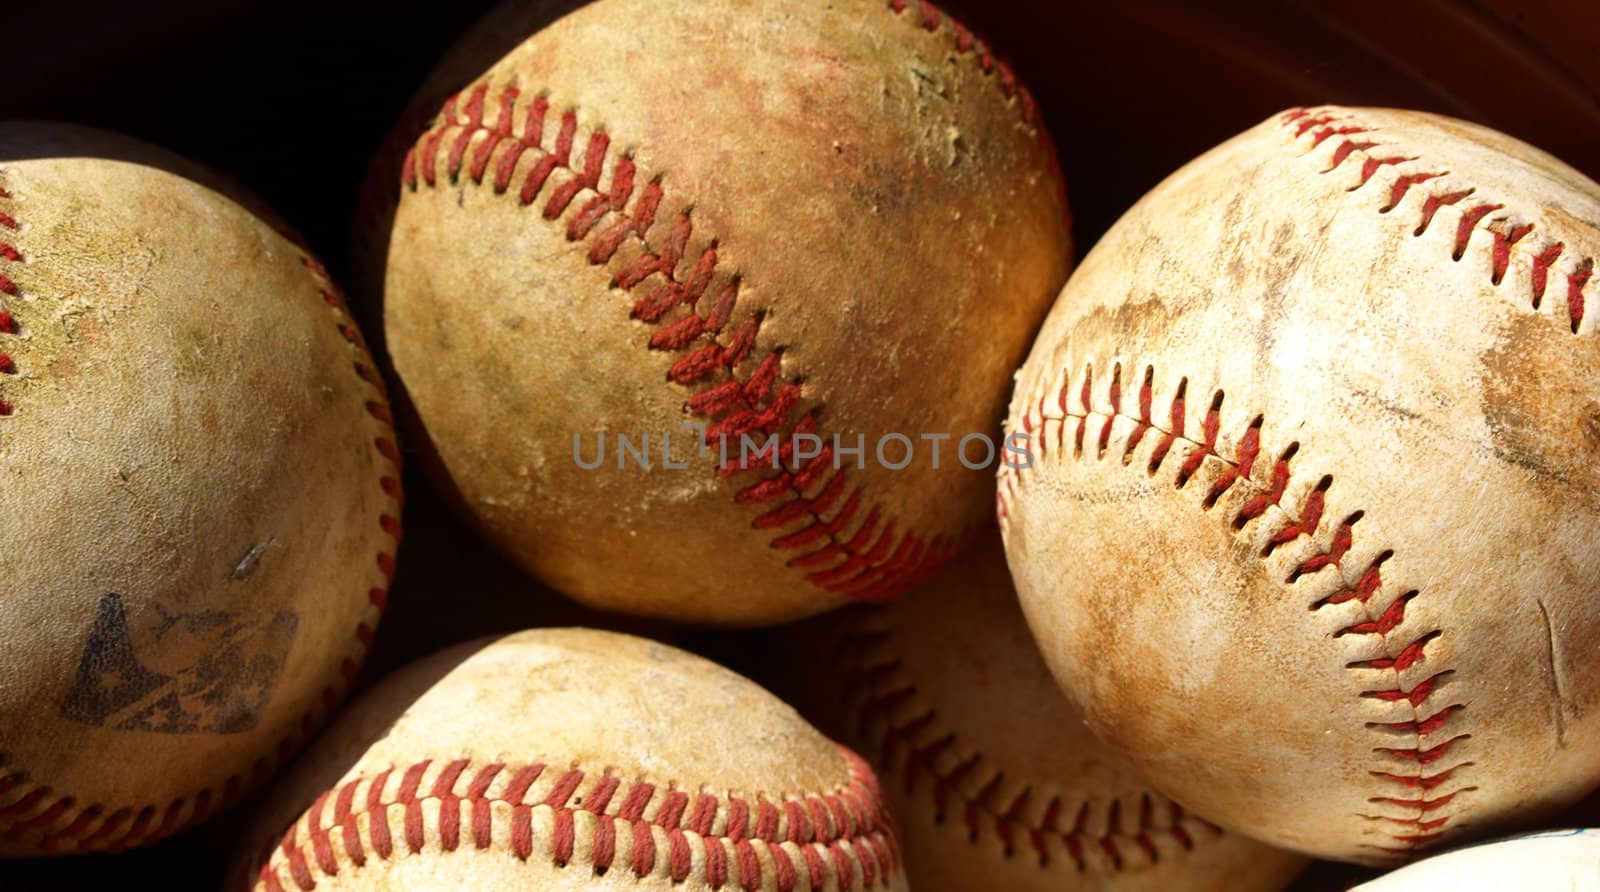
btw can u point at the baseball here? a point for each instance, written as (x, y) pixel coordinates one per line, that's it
(200, 494)
(1308, 527)
(994, 779)
(832, 227)
(1551, 859)
(566, 759)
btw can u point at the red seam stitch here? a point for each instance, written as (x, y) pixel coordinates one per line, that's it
(764, 402)
(1368, 583)
(80, 832)
(9, 253)
(875, 688)
(967, 44)
(860, 841)
(1505, 234)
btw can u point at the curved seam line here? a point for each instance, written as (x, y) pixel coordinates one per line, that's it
(917, 736)
(855, 814)
(869, 564)
(1367, 586)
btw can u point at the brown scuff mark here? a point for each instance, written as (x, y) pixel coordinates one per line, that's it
(1274, 279)
(1557, 701)
(1390, 406)
(1540, 404)
(1563, 220)
(1137, 322)
(1239, 268)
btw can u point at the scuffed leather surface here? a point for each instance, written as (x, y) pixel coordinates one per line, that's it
(183, 400)
(995, 778)
(568, 698)
(1440, 405)
(887, 210)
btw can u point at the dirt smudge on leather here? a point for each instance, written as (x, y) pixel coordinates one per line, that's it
(1539, 401)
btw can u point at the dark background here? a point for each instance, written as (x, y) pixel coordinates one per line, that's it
(292, 97)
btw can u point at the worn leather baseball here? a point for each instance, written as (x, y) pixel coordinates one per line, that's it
(565, 759)
(494, 34)
(1309, 531)
(766, 218)
(1550, 859)
(199, 493)
(995, 780)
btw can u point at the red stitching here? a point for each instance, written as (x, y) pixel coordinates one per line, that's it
(1334, 547)
(875, 562)
(840, 836)
(79, 826)
(930, 18)
(875, 687)
(1505, 232)
(9, 253)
